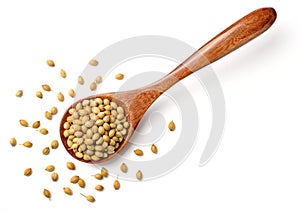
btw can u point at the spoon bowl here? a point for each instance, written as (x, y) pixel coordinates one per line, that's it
(136, 102)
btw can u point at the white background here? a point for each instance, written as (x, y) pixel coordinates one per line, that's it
(255, 169)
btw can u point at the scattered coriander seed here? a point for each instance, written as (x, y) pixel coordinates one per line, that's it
(71, 93)
(116, 184)
(63, 73)
(119, 76)
(24, 123)
(90, 198)
(50, 168)
(138, 152)
(39, 94)
(124, 168)
(99, 187)
(36, 124)
(54, 110)
(43, 131)
(27, 144)
(13, 142)
(50, 63)
(154, 148)
(171, 126)
(46, 151)
(28, 172)
(104, 172)
(48, 115)
(139, 175)
(98, 79)
(74, 179)
(80, 80)
(81, 183)
(71, 165)
(93, 62)
(54, 144)
(19, 93)
(47, 193)
(68, 191)
(93, 86)
(46, 87)
(54, 176)
(60, 97)
(98, 176)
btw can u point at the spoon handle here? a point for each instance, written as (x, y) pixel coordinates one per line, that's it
(233, 37)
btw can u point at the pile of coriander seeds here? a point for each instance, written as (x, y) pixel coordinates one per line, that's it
(95, 128)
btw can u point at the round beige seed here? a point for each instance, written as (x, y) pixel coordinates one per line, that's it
(139, 175)
(81, 183)
(74, 179)
(99, 187)
(47, 193)
(71, 165)
(24, 123)
(98, 79)
(89, 198)
(71, 93)
(116, 184)
(39, 94)
(93, 62)
(80, 80)
(43, 131)
(138, 152)
(48, 115)
(46, 151)
(36, 124)
(119, 76)
(13, 142)
(60, 97)
(50, 168)
(54, 110)
(124, 168)
(19, 93)
(50, 63)
(93, 86)
(46, 87)
(63, 73)
(68, 191)
(54, 144)
(54, 176)
(153, 148)
(171, 126)
(28, 172)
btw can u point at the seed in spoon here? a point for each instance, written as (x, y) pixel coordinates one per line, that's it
(63, 73)
(36, 124)
(138, 152)
(50, 63)
(119, 76)
(47, 193)
(54, 176)
(19, 93)
(171, 126)
(39, 94)
(90, 198)
(27, 144)
(24, 123)
(116, 184)
(80, 80)
(93, 86)
(139, 175)
(68, 191)
(13, 142)
(124, 168)
(153, 148)
(28, 172)
(46, 87)
(93, 62)
(71, 165)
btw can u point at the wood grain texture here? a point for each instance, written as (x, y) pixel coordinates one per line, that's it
(136, 102)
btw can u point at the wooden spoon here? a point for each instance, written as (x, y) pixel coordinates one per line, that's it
(136, 102)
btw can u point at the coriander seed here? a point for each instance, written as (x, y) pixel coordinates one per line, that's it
(99, 187)
(54, 176)
(60, 97)
(24, 123)
(153, 148)
(50, 168)
(50, 63)
(47, 193)
(90, 198)
(71, 93)
(13, 142)
(171, 126)
(54, 110)
(46, 87)
(36, 124)
(71, 165)
(46, 151)
(139, 175)
(27, 144)
(28, 172)
(68, 191)
(93, 62)
(54, 144)
(81, 183)
(63, 73)
(39, 94)
(74, 179)
(138, 152)
(124, 168)
(19, 93)
(119, 76)
(80, 80)
(116, 184)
